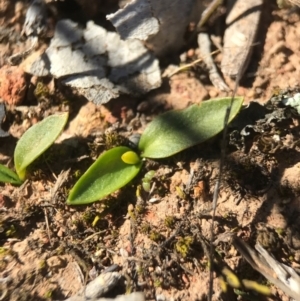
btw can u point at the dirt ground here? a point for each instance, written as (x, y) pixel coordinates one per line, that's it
(156, 241)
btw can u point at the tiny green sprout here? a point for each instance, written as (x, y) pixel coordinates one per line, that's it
(257, 287)
(138, 191)
(146, 181)
(131, 212)
(145, 228)
(223, 284)
(76, 222)
(139, 269)
(169, 221)
(130, 157)
(48, 294)
(95, 221)
(42, 265)
(60, 250)
(115, 234)
(77, 173)
(155, 236)
(140, 206)
(231, 278)
(87, 216)
(8, 176)
(157, 282)
(149, 175)
(183, 245)
(240, 292)
(11, 232)
(113, 139)
(140, 209)
(35, 141)
(146, 186)
(280, 231)
(180, 193)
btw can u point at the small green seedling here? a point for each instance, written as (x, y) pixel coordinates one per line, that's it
(146, 181)
(8, 176)
(31, 145)
(165, 136)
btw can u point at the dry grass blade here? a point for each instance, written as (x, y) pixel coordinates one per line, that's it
(208, 12)
(186, 66)
(277, 273)
(242, 26)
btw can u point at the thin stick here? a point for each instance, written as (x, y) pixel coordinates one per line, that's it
(218, 183)
(212, 7)
(47, 226)
(191, 64)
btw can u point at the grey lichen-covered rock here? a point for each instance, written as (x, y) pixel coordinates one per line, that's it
(98, 64)
(161, 24)
(293, 101)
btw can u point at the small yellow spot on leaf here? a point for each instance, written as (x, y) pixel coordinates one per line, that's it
(130, 157)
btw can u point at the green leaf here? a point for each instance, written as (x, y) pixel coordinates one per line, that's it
(175, 131)
(106, 175)
(36, 140)
(8, 176)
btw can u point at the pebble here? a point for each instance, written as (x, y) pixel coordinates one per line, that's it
(13, 85)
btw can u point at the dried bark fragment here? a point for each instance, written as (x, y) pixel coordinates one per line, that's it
(98, 64)
(162, 24)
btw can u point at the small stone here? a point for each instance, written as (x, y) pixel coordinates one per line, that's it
(60, 232)
(190, 53)
(12, 85)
